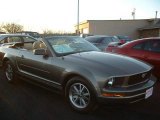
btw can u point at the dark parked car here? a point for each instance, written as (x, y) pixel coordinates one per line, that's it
(85, 35)
(146, 49)
(101, 41)
(12, 38)
(35, 35)
(79, 70)
(123, 39)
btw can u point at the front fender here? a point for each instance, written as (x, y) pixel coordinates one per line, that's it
(82, 72)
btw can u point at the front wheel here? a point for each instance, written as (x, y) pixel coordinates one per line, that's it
(80, 95)
(9, 71)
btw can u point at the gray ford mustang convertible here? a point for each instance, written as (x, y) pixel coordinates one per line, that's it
(79, 70)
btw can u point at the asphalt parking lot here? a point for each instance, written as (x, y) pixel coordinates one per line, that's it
(24, 101)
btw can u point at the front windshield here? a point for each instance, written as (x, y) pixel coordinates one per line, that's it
(70, 45)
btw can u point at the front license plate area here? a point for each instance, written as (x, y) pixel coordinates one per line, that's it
(149, 92)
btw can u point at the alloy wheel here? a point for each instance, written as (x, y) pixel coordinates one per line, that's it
(9, 72)
(79, 95)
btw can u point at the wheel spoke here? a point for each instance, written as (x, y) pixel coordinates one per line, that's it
(74, 92)
(81, 88)
(75, 89)
(86, 99)
(83, 101)
(86, 94)
(80, 102)
(75, 98)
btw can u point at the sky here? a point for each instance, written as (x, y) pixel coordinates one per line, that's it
(61, 15)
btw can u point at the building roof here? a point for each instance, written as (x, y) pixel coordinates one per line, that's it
(122, 20)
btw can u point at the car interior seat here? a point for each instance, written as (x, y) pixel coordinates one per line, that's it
(28, 46)
(36, 45)
(42, 45)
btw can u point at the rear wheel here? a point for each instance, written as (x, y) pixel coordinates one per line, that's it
(9, 71)
(80, 95)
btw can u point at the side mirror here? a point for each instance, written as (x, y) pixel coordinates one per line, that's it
(40, 52)
(114, 44)
(119, 43)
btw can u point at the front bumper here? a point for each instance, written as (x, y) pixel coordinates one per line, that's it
(128, 95)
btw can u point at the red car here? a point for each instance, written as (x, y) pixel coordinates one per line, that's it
(146, 49)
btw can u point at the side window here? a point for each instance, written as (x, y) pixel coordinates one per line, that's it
(115, 39)
(98, 40)
(92, 39)
(139, 46)
(28, 39)
(14, 39)
(11, 39)
(147, 46)
(107, 40)
(3, 41)
(155, 46)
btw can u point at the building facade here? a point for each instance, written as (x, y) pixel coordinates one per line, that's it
(131, 28)
(152, 30)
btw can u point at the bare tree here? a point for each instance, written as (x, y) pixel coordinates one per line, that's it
(1, 28)
(12, 27)
(46, 32)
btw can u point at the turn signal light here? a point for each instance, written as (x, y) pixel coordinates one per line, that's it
(113, 95)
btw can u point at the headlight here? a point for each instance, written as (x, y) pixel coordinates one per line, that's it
(110, 82)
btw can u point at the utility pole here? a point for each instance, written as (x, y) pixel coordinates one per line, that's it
(78, 18)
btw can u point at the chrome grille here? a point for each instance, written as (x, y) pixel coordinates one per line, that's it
(138, 78)
(131, 80)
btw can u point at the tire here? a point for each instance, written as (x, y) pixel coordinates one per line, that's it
(9, 72)
(80, 95)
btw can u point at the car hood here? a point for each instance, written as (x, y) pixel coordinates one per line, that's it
(107, 63)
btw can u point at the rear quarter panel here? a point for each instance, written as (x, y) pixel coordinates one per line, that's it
(8, 54)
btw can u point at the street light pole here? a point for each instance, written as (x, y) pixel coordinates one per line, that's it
(156, 14)
(78, 18)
